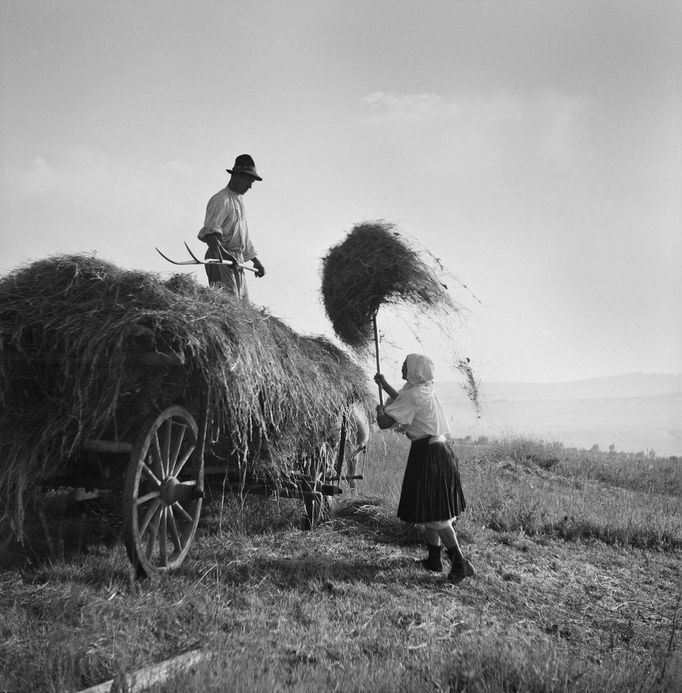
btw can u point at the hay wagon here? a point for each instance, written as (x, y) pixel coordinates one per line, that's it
(164, 464)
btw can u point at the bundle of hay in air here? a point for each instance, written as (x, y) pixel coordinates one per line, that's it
(374, 266)
(72, 329)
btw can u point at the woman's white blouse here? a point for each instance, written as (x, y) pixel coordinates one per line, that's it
(419, 411)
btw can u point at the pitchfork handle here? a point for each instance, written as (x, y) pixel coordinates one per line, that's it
(376, 351)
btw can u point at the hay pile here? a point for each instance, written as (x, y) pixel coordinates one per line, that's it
(375, 265)
(267, 385)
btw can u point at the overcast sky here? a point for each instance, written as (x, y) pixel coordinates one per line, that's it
(534, 146)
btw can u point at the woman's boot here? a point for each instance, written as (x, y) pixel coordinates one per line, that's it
(433, 562)
(460, 567)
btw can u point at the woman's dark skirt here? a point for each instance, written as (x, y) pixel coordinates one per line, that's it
(432, 490)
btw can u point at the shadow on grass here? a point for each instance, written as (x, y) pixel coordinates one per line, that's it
(58, 529)
(313, 569)
(371, 518)
(322, 574)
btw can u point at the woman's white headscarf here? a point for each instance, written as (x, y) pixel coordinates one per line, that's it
(421, 406)
(419, 370)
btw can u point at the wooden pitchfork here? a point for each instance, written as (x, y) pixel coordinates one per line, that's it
(210, 261)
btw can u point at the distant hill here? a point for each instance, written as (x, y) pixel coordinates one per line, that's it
(634, 412)
(630, 385)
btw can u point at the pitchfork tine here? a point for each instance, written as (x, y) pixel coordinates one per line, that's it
(194, 257)
(173, 262)
(209, 261)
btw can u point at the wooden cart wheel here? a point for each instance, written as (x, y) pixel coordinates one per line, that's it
(163, 492)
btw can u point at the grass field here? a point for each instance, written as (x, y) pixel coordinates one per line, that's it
(578, 588)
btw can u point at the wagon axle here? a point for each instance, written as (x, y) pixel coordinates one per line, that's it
(173, 491)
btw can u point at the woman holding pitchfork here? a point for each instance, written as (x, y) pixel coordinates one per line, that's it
(431, 493)
(376, 266)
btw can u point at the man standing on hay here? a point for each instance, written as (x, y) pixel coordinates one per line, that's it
(226, 232)
(432, 491)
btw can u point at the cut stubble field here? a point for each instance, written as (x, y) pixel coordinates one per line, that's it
(577, 589)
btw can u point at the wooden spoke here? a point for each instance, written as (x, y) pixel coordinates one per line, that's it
(147, 497)
(163, 537)
(150, 474)
(182, 511)
(175, 535)
(156, 455)
(167, 434)
(153, 533)
(180, 463)
(173, 456)
(148, 517)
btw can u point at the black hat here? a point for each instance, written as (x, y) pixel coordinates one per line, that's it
(244, 164)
